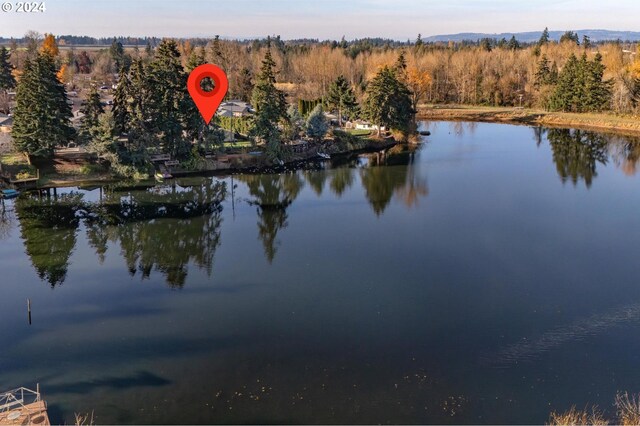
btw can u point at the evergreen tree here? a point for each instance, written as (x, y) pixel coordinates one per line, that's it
(7, 81)
(167, 107)
(138, 124)
(317, 125)
(544, 38)
(270, 107)
(597, 91)
(586, 42)
(148, 49)
(296, 123)
(571, 37)
(91, 110)
(117, 54)
(104, 141)
(401, 64)
(581, 87)
(342, 99)
(388, 101)
(216, 51)
(566, 90)
(120, 102)
(206, 136)
(196, 58)
(485, 44)
(543, 74)
(513, 43)
(42, 114)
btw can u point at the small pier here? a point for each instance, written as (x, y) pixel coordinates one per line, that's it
(23, 406)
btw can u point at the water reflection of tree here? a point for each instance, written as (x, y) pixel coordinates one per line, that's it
(48, 227)
(625, 152)
(576, 153)
(272, 194)
(341, 179)
(316, 180)
(6, 220)
(161, 228)
(415, 187)
(399, 176)
(538, 133)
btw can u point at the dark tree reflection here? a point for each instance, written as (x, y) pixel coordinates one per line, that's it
(576, 153)
(625, 151)
(316, 180)
(341, 180)
(6, 219)
(48, 227)
(272, 194)
(399, 178)
(161, 228)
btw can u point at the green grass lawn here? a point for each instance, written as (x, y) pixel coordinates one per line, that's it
(238, 144)
(359, 132)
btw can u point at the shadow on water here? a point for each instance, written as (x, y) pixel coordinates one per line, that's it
(140, 379)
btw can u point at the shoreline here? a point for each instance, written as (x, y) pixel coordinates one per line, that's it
(602, 122)
(56, 180)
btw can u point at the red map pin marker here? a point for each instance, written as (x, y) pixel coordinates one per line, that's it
(207, 102)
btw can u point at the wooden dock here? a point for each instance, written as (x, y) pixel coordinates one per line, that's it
(23, 406)
(31, 414)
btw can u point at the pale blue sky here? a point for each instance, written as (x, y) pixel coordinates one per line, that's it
(399, 19)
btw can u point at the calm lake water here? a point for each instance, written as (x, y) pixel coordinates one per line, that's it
(489, 276)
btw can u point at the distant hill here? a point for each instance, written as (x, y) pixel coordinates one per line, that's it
(533, 36)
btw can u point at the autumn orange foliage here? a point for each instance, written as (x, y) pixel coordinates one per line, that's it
(49, 46)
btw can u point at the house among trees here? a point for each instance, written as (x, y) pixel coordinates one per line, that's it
(5, 123)
(362, 125)
(235, 108)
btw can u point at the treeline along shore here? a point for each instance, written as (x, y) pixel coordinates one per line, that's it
(292, 100)
(599, 121)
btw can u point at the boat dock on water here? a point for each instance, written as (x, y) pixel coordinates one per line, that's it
(23, 406)
(9, 193)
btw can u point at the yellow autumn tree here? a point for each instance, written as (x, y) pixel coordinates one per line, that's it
(634, 68)
(418, 82)
(63, 74)
(16, 74)
(49, 46)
